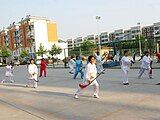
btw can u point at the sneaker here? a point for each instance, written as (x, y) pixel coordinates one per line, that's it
(125, 83)
(76, 97)
(96, 96)
(158, 84)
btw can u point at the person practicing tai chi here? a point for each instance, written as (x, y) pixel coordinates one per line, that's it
(99, 62)
(91, 73)
(71, 65)
(125, 66)
(145, 65)
(9, 73)
(43, 67)
(33, 73)
(79, 67)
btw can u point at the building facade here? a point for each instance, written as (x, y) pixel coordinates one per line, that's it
(28, 34)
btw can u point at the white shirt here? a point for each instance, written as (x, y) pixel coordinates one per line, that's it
(125, 62)
(71, 63)
(146, 62)
(9, 70)
(98, 58)
(91, 70)
(33, 71)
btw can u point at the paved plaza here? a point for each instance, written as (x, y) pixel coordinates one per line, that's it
(53, 99)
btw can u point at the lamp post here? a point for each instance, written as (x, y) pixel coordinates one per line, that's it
(99, 41)
(139, 36)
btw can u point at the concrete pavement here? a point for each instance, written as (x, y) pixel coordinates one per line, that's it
(53, 99)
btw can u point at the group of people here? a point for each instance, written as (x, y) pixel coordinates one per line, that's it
(93, 67)
(32, 72)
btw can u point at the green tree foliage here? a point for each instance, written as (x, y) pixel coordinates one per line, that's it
(24, 53)
(54, 51)
(87, 47)
(41, 50)
(5, 52)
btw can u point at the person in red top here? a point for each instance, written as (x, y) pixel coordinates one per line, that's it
(43, 67)
(158, 57)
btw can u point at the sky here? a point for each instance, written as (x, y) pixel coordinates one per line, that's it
(76, 18)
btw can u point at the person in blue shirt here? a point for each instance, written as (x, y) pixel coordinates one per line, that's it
(79, 67)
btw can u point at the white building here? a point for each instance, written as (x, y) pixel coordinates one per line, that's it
(104, 37)
(135, 32)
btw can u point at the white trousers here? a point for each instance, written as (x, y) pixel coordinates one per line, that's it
(31, 82)
(124, 75)
(141, 72)
(9, 77)
(95, 88)
(71, 69)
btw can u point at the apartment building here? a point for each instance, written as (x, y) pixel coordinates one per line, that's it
(70, 43)
(104, 38)
(127, 35)
(135, 32)
(111, 36)
(118, 34)
(29, 33)
(90, 38)
(148, 32)
(157, 34)
(78, 41)
(157, 31)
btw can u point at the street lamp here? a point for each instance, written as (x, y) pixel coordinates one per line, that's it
(139, 36)
(99, 42)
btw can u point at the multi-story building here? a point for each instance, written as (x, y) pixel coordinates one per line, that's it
(14, 39)
(148, 32)
(127, 35)
(78, 41)
(90, 38)
(157, 31)
(157, 34)
(104, 38)
(4, 37)
(118, 34)
(135, 32)
(29, 33)
(70, 43)
(111, 36)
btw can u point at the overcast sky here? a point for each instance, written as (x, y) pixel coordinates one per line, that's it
(76, 18)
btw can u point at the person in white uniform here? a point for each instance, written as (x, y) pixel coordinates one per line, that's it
(99, 62)
(33, 73)
(9, 73)
(125, 66)
(91, 73)
(72, 65)
(145, 64)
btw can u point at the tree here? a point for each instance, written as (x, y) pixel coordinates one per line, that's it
(41, 50)
(24, 53)
(5, 52)
(87, 47)
(54, 51)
